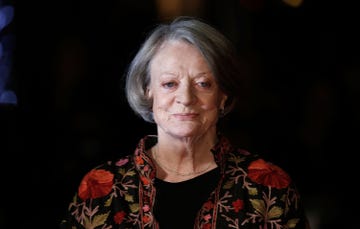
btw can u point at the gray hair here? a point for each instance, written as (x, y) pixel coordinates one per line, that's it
(218, 51)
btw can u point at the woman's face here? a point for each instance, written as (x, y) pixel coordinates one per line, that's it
(186, 97)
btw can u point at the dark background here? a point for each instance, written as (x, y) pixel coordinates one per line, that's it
(301, 109)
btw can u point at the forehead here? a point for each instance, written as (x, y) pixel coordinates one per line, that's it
(179, 54)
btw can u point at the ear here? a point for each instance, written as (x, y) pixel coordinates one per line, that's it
(223, 101)
(148, 92)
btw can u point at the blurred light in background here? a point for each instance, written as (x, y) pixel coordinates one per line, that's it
(7, 96)
(293, 3)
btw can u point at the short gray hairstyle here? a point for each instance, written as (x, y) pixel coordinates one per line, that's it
(218, 51)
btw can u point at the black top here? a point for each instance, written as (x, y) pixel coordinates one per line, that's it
(180, 202)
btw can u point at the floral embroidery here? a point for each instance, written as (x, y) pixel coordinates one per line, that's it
(252, 193)
(145, 180)
(207, 217)
(122, 162)
(119, 217)
(97, 183)
(208, 205)
(206, 226)
(139, 160)
(146, 219)
(146, 208)
(238, 205)
(268, 174)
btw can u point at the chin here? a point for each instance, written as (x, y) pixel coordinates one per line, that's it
(186, 133)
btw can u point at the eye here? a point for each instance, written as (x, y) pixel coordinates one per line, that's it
(169, 85)
(204, 84)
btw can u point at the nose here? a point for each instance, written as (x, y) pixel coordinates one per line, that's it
(185, 95)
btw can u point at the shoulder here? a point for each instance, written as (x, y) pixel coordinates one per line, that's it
(112, 167)
(259, 170)
(103, 177)
(263, 190)
(241, 157)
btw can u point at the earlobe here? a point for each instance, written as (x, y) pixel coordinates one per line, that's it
(222, 106)
(223, 101)
(148, 92)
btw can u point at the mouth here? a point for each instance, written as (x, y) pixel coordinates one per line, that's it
(186, 116)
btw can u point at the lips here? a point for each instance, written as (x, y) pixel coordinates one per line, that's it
(186, 116)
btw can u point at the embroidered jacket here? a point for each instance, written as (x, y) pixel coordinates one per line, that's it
(251, 193)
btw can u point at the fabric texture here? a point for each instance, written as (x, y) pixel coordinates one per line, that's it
(251, 193)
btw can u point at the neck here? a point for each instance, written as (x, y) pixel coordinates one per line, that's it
(182, 169)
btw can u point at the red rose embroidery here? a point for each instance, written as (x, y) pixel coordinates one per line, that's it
(146, 219)
(96, 183)
(206, 226)
(119, 217)
(268, 174)
(238, 205)
(145, 180)
(139, 160)
(208, 205)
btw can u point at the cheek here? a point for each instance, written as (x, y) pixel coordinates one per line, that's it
(212, 103)
(210, 107)
(161, 102)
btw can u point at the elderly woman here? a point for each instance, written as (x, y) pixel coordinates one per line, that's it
(189, 175)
